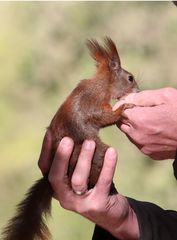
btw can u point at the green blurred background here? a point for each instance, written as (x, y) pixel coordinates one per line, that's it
(43, 56)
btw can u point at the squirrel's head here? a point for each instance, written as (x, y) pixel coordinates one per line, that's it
(109, 69)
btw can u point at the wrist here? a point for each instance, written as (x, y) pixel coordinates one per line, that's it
(121, 220)
(129, 228)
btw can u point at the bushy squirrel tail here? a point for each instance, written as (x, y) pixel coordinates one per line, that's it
(29, 221)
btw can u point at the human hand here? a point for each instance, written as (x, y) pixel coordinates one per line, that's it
(112, 212)
(152, 124)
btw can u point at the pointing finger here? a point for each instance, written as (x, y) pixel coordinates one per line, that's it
(148, 97)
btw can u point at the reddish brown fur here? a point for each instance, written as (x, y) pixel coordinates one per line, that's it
(85, 111)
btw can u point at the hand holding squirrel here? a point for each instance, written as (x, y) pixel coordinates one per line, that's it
(111, 212)
(147, 124)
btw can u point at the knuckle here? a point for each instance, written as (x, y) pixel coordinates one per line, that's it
(105, 181)
(139, 139)
(64, 204)
(42, 166)
(75, 206)
(140, 120)
(80, 210)
(146, 151)
(155, 130)
(77, 182)
(154, 157)
(168, 92)
(54, 181)
(158, 156)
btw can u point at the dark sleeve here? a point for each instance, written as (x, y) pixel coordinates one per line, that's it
(102, 234)
(154, 222)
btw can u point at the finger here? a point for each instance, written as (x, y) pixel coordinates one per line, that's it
(82, 170)
(145, 98)
(124, 128)
(45, 158)
(106, 176)
(126, 99)
(138, 115)
(59, 168)
(148, 98)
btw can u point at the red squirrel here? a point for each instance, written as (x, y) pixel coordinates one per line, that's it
(84, 112)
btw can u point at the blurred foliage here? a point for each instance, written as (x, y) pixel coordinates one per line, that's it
(43, 56)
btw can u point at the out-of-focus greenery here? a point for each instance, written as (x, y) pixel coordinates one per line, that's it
(43, 56)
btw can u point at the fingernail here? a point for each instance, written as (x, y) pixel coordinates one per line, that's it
(112, 152)
(66, 142)
(88, 144)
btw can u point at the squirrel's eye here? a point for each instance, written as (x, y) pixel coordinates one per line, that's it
(130, 78)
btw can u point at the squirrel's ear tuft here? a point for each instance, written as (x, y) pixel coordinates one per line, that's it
(106, 57)
(114, 59)
(97, 52)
